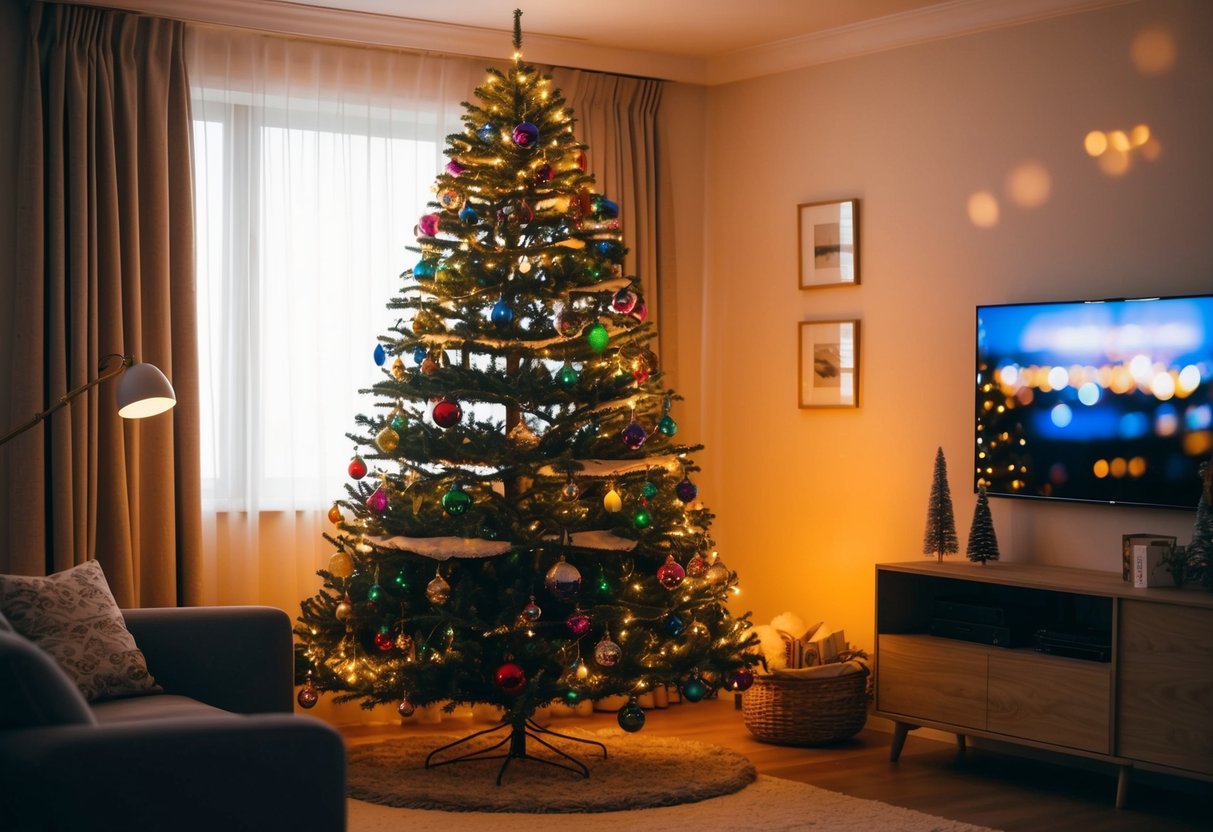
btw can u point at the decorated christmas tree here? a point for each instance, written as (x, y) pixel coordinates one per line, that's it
(1200, 550)
(940, 538)
(521, 527)
(983, 542)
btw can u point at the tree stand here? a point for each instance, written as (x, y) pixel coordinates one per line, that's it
(519, 730)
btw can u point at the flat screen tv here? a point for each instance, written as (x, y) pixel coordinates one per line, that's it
(1099, 401)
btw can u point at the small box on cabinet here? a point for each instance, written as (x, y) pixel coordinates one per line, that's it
(1150, 565)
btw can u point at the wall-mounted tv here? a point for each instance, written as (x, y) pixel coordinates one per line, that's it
(1100, 401)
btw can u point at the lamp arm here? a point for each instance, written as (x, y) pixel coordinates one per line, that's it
(103, 373)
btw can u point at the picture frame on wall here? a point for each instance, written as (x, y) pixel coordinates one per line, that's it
(829, 243)
(829, 364)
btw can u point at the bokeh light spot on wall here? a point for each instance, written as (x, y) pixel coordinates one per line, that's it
(1153, 51)
(983, 209)
(1096, 142)
(1115, 163)
(1029, 184)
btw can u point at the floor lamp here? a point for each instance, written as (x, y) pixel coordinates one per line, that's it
(142, 391)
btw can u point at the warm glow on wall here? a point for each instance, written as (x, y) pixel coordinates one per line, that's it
(983, 209)
(1153, 51)
(1029, 184)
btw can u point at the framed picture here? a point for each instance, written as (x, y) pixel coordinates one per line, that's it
(829, 244)
(829, 364)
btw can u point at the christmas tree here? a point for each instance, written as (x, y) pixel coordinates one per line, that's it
(983, 542)
(1200, 550)
(940, 536)
(521, 527)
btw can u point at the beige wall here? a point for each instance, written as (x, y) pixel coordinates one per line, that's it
(12, 55)
(808, 501)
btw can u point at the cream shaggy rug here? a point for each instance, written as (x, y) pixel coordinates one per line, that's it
(637, 772)
(768, 805)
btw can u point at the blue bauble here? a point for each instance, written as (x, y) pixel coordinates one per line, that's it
(526, 134)
(468, 215)
(424, 270)
(674, 625)
(603, 208)
(694, 689)
(609, 248)
(486, 133)
(380, 354)
(686, 490)
(503, 315)
(631, 717)
(419, 354)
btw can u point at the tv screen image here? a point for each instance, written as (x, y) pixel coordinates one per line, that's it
(1100, 401)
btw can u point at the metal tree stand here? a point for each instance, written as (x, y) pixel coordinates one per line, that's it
(519, 730)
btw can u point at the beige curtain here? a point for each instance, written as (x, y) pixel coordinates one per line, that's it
(617, 117)
(106, 264)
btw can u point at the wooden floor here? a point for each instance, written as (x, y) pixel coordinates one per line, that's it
(983, 787)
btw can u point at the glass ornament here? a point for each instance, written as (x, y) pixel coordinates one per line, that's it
(502, 314)
(438, 590)
(489, 528)
(717, 573)
(387, 440)
(597, 337)
(631, 717)
(525, 135)
(694, 689)
(569, 322)
(397, 422)
(567, 376)
(624, 301)
(604, 208)
(544, 173)
(374, 593)
(380, 355)
(583, 161)
(406, 708)
(378, 501)
(308, 696)
(449, 199)
(335, 515)
(740, 680)
(531, 611)
(649, 490)
(343, 610)
(674, 625)
(697, 567)
(609, 248)
(468, 215)
(640, 311)
(612, 502)
(670, 573)
(404, 643)
(486, 133)
(424, 270)
(341, 564)
(456, 501)
(572, 697)
(357, 467)
(578, 623)
(686, 490)
(641, 375)
(642, 519)
(398, 369)
(571, 490)
(510, 679)
(428, 366)
(607, 653)
(563, 581)
(447, 413)
(384, 641)
(633, 435)
(454, 167)
(667, 425)
(419, 354)
(428, 224)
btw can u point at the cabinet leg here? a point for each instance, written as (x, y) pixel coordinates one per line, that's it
(900, 729)
(1122, 786)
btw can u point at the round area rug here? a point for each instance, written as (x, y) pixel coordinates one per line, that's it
(638, 772)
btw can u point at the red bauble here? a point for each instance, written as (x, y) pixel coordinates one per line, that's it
(307, 696)
(740, 680)
(510, 679)
(670, 573)
(384, 641)
(447, 413)
(357, 468)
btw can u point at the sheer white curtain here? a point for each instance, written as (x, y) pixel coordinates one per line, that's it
(313, 162)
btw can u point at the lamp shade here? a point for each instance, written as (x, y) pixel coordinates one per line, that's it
(144, 391)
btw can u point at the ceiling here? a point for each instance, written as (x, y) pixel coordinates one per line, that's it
(695, 41)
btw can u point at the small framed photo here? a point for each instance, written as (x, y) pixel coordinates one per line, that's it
(829, 364)
(829, 244)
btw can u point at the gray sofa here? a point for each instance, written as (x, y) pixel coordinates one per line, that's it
(219, 749)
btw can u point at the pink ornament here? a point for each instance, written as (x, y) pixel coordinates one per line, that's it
(624, 301)
(428, 225)
(454, 168)
(377, 502)
(578, 623)
(670, 573)
(641, 310)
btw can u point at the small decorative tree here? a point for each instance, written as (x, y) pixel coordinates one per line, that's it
(983, 543)
(940, 538)
(1200, 550)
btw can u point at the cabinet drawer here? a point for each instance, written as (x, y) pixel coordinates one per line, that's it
(1165, 675)
(934, 679)
(1060, 701)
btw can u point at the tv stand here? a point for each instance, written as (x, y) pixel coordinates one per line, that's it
(1150, 706)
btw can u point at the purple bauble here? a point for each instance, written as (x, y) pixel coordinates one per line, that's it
(686, 490)
(377, 502)
(633, 436)
(454, 168)
(526, 134)
(428, 225)
(578, 623)
(740, 680)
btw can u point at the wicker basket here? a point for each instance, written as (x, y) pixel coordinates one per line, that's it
(789, 711)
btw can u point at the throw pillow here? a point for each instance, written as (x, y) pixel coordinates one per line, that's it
(34, 690)
(72, 615)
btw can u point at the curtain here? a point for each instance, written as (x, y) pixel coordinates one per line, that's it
(106, 264)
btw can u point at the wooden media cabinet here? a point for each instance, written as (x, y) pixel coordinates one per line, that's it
(1149, 705)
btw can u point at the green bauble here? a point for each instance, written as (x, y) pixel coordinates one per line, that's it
(598, 337)
(567, 376)
(667, 426)
(641, 519)
(631, 717)
(649, 491)
(456, 501)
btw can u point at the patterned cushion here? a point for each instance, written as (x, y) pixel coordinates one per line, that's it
(73, 616)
